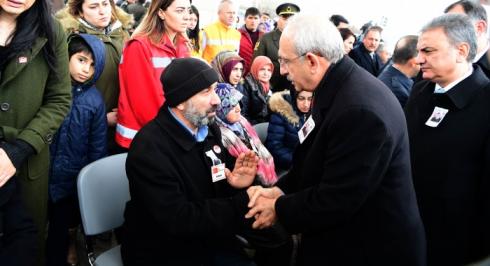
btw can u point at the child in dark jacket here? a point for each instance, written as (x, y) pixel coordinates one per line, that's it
(80, 140)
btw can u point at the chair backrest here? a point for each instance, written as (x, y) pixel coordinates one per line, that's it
(261, 129)
(103, 191)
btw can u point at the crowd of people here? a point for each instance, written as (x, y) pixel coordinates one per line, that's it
(372, 157)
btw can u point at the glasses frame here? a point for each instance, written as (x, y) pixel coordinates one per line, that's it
(285, 62)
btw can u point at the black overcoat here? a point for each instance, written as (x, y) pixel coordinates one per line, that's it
(451, 168)
(177, 215)
(350, 191)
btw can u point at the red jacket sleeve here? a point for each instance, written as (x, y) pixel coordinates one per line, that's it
(139, 84)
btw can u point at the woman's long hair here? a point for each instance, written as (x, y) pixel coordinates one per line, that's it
(194, 33)
(31, 24)
(152, 26)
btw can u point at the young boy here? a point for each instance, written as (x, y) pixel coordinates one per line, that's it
(80, 140)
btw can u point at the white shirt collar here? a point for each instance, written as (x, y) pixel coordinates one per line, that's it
(454, 83)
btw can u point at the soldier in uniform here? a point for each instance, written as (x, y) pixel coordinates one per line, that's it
(268, 45)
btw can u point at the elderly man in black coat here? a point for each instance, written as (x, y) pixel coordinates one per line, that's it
(448, 118)
(350, 190)
(184, 208)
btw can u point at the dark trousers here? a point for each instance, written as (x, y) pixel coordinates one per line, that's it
(227, 257)
(18, 234)
(63, 215)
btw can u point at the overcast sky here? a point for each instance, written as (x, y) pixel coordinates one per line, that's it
(403, 17)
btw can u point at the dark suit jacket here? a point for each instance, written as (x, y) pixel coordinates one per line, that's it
(451, 165)
(361, 56)
(484, 63)
(350, 190)
(398, 83)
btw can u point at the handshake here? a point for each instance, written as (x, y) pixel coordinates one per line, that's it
(262, 200)
(262, 205)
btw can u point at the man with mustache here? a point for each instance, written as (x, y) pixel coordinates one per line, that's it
(185, 206)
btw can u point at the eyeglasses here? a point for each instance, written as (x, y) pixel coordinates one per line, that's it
(285, 62)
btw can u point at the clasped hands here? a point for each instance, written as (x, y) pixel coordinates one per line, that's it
(262, 205)
(262, 200)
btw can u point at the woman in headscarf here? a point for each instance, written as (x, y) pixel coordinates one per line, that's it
(257, 90)
(272, 246)
(238, 134)
(229, 66)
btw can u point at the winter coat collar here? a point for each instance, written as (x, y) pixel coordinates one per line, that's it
(243, 30)
(461, 94)
(72, 24)
(112, 27)
(278, 104)
(332, 81)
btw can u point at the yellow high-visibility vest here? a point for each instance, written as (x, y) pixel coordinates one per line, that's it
(219, 38)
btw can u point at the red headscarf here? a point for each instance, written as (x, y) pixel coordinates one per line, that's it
(257, 64)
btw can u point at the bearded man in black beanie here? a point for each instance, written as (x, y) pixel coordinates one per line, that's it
(176, 168)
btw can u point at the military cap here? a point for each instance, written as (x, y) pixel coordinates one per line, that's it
(287, 9)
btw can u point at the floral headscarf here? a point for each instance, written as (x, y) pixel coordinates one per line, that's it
(230, 97)
(241, 137)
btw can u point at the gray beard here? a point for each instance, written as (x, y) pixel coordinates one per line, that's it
(194, 117)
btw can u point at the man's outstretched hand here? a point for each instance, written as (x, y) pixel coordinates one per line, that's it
(244, 172)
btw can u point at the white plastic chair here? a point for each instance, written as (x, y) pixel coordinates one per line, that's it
(103, 191)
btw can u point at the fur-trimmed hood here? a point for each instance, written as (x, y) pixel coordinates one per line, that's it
(72, 24)
(279, 104)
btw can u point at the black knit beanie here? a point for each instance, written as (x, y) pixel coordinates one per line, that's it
(185, 77)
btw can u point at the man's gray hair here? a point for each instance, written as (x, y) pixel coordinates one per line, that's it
(224, 2)
(315, 34)
(458, 29)
(474, 10)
